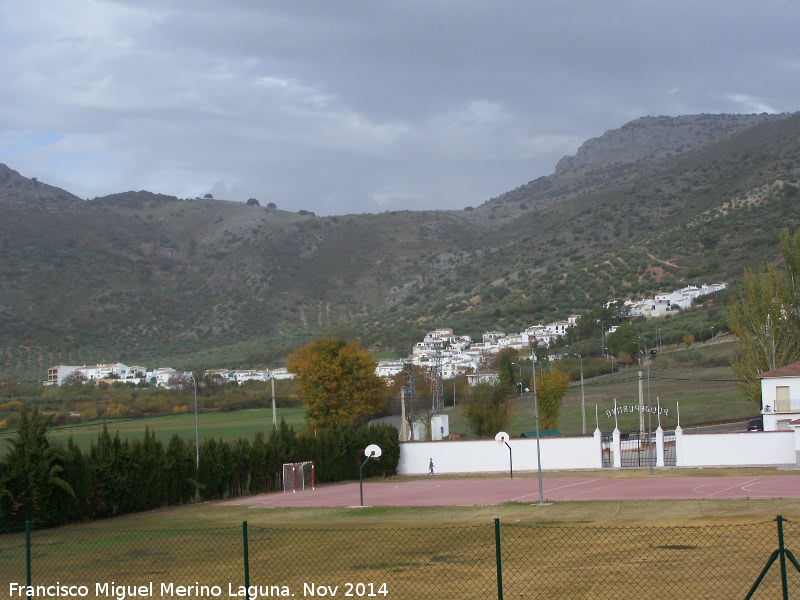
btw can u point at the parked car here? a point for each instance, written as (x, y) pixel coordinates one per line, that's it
(756, 424)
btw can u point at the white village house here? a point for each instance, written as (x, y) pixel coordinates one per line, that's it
(780, 397)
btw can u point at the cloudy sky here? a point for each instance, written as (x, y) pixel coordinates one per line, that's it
(364, 105)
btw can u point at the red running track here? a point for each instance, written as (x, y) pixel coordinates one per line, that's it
(475, 492)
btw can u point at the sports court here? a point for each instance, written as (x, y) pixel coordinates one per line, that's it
(474, 492)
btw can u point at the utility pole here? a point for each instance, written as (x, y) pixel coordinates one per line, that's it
(404, 425)
(641, 407)
(274, 412)
(583, 400)
(602, 339)
(437, 401)
(408, 370)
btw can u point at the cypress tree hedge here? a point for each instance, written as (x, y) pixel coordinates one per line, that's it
(56, 484)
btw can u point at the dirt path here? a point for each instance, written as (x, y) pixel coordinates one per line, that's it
(664, 262)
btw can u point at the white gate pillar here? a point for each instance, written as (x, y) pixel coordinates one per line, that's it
(659, 447)
(616, 448)
(597, 461)
(678, 446)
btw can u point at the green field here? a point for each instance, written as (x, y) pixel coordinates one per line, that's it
(211, 424)
(699, 381)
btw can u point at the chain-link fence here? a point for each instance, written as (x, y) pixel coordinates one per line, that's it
(481, 561)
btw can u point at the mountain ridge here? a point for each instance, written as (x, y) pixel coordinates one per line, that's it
(204, 281)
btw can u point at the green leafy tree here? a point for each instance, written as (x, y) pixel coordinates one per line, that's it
(551, 387)
(623, 340)
(506, 369)
(338, 382)
(74, 381)
(488, 409)
(765, 316)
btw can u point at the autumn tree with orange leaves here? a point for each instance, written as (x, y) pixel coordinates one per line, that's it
(337, 381)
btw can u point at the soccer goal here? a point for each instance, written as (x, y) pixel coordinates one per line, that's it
(298, 476)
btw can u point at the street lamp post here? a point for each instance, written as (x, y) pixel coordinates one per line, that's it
(519, 384)
(649, 411)
(608, 353)
(602, 337)
(536, 413)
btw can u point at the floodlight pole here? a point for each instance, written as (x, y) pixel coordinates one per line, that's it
(361, 477)
(536, 413)
(649, 417)
(196, 426)
(583, 400)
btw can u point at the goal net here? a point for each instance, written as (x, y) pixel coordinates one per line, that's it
(298, 476)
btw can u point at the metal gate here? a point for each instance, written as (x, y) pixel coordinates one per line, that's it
(638, 450)
(669, 449)
(608, 449)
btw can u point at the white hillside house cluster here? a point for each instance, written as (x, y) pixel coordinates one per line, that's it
(456, 354)
(159, 377)
(459, 355)
(662, 304)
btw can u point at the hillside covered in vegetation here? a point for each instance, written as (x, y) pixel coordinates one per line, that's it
(199, 283)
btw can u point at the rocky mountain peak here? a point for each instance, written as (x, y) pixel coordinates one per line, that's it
(650, 139)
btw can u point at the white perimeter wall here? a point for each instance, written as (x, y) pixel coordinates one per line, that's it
(584, 452)
(737, 449)
(488, 456)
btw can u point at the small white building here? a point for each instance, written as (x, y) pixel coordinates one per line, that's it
(780, 397)
(388, 368)
(161, 376)
(249, 375)
(491, 337)
(57, 375)
(100, 372)
(280, 373)
(482, 377)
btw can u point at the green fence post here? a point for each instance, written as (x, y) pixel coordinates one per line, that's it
(246, 561)
(28, 555)
(782, 551)
(499, 562)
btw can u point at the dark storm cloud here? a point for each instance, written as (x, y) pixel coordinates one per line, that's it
(363, 106)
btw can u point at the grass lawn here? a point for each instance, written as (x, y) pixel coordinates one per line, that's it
(664, 549)
(699, 381)
(226, 425)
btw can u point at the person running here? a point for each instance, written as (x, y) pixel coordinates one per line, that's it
(430, 469)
